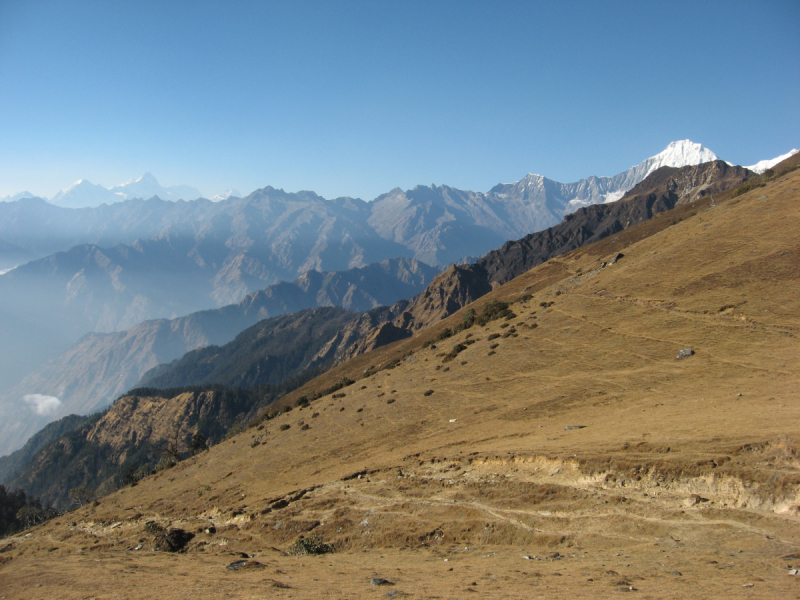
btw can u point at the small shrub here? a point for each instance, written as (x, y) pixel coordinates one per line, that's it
(494, 336)
(342, 395)
(81, 496)
(427, 392)
(234, 429)
(493, 346)
(360, 409)
(343, 382)
(164, 463)
(284, 427)
(133, 474)
(315, 415)
(454, 352)
(491, 311)
(468, 319)
(304, 427)
(302, 403)
(197, 444)
(153, 528)
(311, 545)
(390, 400)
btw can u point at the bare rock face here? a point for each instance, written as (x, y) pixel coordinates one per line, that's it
(383, 334)
(448, 292)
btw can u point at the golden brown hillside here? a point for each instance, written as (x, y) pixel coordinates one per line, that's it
(564, 453)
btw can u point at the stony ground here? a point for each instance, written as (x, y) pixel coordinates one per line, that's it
(564, 453)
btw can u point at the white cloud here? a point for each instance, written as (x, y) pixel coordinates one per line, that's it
(41, 404)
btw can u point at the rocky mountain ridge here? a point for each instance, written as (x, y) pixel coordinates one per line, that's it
(100, 366)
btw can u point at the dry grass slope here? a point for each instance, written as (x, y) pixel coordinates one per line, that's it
(570, 456)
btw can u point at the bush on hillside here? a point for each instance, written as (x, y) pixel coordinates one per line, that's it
(311, 545)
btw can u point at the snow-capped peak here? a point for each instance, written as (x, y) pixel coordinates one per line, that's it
(80, 183)
(763, 165)
(681, 154)
(83, 193)
(229, 193)
(146, 177)
(19, 196)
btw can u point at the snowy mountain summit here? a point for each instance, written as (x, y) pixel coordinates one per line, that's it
(763, 165)
(84, 193)
(147, 186)
(229, 193)
(679, 154)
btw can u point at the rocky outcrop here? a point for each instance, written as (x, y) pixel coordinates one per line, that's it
(130, 438)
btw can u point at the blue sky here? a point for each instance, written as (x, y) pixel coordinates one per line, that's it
(356, 98)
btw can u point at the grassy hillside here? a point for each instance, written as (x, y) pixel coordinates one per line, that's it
(563, 452)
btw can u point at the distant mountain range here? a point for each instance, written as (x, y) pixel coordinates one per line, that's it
(83, 193)
(436, 224)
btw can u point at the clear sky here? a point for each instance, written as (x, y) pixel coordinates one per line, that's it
(356, 98)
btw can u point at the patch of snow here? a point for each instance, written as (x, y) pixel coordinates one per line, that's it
(763, 165)
(229, 193)
(613, 196)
